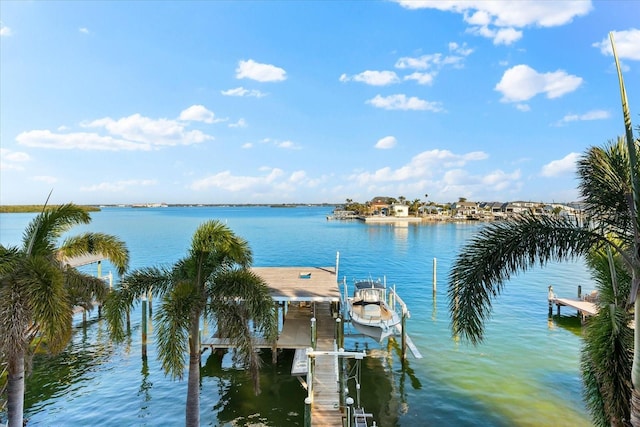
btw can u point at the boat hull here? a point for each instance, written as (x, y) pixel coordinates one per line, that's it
(376, 332)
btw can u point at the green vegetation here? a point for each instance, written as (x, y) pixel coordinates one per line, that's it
(213, 282)
(608, 238)
(38, 292)
(38, 208)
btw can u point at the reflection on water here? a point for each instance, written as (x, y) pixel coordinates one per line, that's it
(70, 370)
(572, 324)
(281, 402)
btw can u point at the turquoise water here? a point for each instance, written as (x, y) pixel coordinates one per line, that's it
(526, 373)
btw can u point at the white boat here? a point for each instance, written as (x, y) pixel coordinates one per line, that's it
(369, 311)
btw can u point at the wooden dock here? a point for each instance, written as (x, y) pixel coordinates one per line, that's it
(302, 294)
(325, 406)
(583, 307)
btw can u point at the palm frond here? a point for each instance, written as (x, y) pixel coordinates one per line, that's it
(502, 249)
(84, 289)
(173, 323)
(111, 247)
(115, 308)
(45, 292)
(43, 231)
(250, 290)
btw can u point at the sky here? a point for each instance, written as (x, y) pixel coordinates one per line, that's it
(224, 102)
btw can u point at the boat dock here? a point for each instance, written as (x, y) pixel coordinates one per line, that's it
(585, 305)
(307, 301)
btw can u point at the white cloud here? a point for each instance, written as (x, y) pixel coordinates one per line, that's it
(247, 145)
(434, 63)
(402, 102)
(260, 72)
(561, 167)
(591, 115)
(298, 176)
(499, 20)
(523, 107)
(386, 142)
(12, 160)
(421, 78)
(84, 30)
(241, 91)
(198, 113)
(241, 123)
(373, 78)
(155, 132)
(77, 140)
(500, 36)
(118, 186)
(521, 83)
(5, 31)
(133, 133)
(422, 165)
(288, 145)
(46, 179)
(226, 181)
(627, 44)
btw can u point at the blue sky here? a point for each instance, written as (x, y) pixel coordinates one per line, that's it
(308, 101)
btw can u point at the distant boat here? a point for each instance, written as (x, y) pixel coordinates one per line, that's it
(370, 314)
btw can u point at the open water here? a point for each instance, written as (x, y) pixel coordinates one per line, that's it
(526, 373)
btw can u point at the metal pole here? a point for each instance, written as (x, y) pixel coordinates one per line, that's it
(313, 333)
(307, 412)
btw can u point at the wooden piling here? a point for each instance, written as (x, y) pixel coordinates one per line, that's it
(314, 333)
(144, 327)
(435, 266)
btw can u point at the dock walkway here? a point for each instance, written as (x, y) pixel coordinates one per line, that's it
(325, 409)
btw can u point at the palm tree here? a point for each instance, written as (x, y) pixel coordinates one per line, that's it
(38, 290)
(212, 282)
(610, 188)
(505, 248)
(608, 342)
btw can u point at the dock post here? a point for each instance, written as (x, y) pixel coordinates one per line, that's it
(307, 412)
(349, 403)
(579, 291)
(435, 266)
(550, 297)
(340, 332)
(314, 331)
(144, 327)
(404, 333)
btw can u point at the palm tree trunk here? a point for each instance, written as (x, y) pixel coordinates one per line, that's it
(15, 388)
(193, 384)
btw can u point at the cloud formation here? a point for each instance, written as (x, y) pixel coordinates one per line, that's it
(198, 113)
(521, 83)
(260, 72)
(132, 133)
(563, 166)
(240, 91)
(5, 31)
(402, 102)
(12, 160)
(627, 44)
(588, 116)
(501, 20)
(373, 78)
(386, 143)
(118, 186)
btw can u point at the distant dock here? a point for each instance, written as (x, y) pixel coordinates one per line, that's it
(586, 306)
